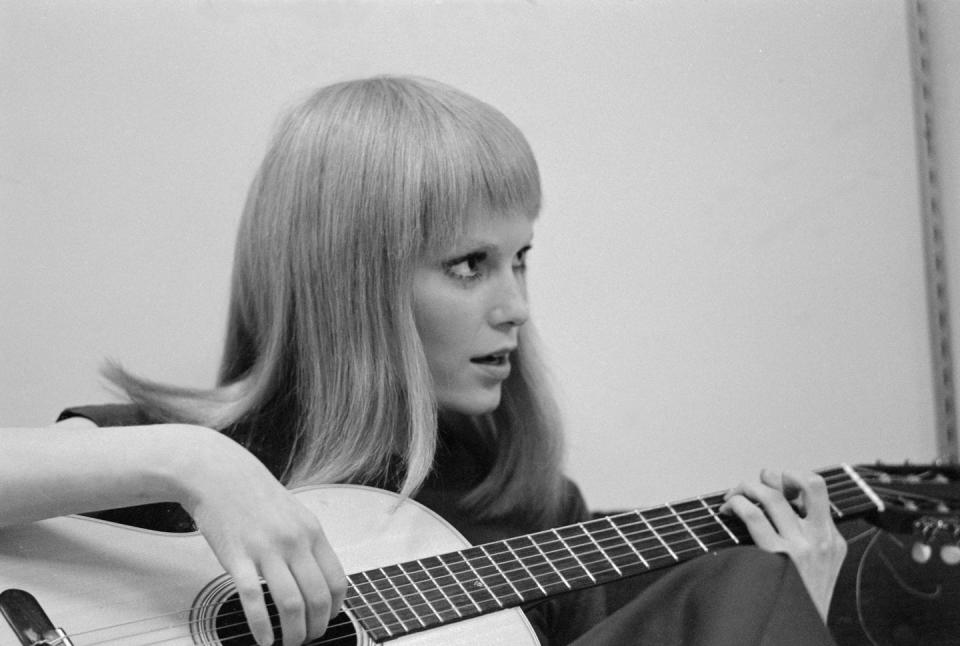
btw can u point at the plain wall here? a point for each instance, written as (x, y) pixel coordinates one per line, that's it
(728, 270)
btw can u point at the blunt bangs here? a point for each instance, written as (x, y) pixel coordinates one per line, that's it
(472, 161)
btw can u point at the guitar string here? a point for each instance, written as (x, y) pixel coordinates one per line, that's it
(876, 476)
(524, 591)
(650, 536)
(320, 641)
(456, 584)
(684, 516)
(496, 570)
(661, 528)
(683, 553)
(404, 629)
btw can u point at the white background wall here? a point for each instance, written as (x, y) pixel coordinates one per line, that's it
(728, 270)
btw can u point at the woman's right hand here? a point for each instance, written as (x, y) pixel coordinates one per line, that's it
(257, 528)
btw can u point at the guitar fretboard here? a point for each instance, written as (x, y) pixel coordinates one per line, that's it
(407, 597)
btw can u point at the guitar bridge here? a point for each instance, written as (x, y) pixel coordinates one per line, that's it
(28, 620)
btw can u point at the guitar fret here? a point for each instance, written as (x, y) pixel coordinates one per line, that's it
(642, 539)
(560, 559)
(503, 573)
(451, 586)
(370, 612)
(422, 607)
(719, 521)
(526, 569)
(685, 541)
(458, 572)
(658, 536)
(395, 601)
(410, 602)
(384, 607)
(709, 526)
(442, 597)
(543, 560)
(602, 551)
(572, 555)
(503, 583)
(687, 527)
(620, 552)
(583, 547)
(628, 542)
(470, 581)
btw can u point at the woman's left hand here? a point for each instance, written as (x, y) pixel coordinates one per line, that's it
(789, 512)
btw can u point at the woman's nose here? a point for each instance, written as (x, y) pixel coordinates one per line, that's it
(511, 306)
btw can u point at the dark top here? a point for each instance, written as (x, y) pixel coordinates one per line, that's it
(458, 468)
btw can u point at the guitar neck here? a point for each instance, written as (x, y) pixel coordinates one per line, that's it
(407, 597)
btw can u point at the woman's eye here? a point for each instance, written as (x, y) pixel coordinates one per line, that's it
(520, 262)
(465, 268)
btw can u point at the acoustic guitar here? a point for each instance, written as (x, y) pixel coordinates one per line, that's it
(83, 582)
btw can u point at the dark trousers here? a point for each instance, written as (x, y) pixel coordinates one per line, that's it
(738, 597)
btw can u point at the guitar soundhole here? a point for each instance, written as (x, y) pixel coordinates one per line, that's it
(232, 630)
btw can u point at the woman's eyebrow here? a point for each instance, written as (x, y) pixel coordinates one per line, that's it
(474, 244)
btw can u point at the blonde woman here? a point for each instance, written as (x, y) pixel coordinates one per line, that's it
(379, 333)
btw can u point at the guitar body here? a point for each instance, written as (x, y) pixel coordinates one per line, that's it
(100, 581)
(887, 598)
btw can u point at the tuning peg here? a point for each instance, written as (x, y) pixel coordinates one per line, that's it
(921, 552)
(950, 554)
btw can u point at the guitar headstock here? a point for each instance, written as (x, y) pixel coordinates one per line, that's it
(922, 500)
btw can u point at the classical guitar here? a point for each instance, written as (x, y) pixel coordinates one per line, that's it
(80, 581)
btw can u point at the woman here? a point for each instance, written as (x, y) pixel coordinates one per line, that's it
(378, 333)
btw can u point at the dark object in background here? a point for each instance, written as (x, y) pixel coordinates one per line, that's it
(884, 597)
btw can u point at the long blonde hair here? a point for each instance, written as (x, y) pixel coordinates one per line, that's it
(322, 357)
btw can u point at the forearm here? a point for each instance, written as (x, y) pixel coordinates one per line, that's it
(56, 471)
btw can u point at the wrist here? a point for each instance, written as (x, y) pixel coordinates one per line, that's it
(185, 455)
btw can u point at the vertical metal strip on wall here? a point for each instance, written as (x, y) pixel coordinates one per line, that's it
(938, 305)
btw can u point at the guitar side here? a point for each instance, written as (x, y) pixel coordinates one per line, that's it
(101, 581)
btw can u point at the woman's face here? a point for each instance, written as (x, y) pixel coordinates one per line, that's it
(469, 303)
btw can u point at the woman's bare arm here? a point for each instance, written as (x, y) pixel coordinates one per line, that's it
(74, 466)
(254, 525)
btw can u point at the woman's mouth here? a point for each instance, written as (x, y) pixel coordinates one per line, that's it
(497, 359)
